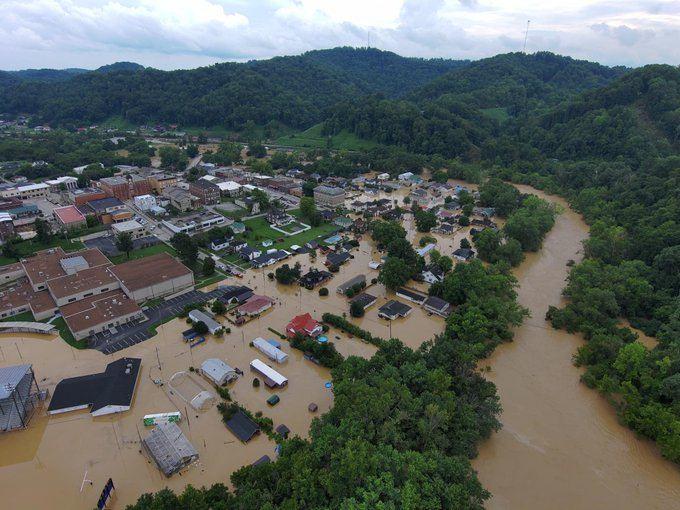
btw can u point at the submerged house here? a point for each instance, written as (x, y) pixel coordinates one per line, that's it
(108, 392)
(169, 448)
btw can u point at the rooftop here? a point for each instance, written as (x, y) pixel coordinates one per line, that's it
(102, 204)
(102, 308)
(46, 264)
(329, 190)
(69, 214)
(82, 281)
(138, 274)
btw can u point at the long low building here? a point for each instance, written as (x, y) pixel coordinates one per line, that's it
(99, 313)
(152, 277)
(104, 393)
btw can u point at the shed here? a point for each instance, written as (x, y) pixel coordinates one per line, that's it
(271, 377)
(217, 371)
(169, 448)
(199, 316)
(242, 426)
(272, 352)
(283, 431)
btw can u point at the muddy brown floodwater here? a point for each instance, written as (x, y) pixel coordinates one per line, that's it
(561, 446)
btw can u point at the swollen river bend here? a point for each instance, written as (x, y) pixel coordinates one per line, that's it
(561, 446)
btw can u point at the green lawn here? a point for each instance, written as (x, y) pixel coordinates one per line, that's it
(66, 334)
(234, 215)
(313, 138)
(500, 114)
(204, 282)
(22, 317)
(144, 252)
(261, 231)
(30, 247)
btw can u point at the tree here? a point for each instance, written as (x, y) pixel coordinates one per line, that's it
(218, 308)
(503, 197)
(186, 247)
(200, 327)
(307, 208)
(464, 221)
(43, 231)
(257, 150)
(192, 150)
(287, 275)
(308, 188)
(124, 243)
(383, 232)
(445, 263)
(465, 244)
(425, 220)
(261, 198)
(356, 309)
(208, 266)
(172, 157)
(394, 273)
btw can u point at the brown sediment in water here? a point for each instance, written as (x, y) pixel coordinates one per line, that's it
(561, 446)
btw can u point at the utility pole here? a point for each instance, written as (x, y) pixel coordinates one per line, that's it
(526, 35)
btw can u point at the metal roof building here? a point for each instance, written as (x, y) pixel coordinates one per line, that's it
(169, 448)
(19, 396)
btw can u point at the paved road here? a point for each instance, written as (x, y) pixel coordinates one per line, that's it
(136, 332)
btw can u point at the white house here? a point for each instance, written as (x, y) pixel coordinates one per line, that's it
(145, 202)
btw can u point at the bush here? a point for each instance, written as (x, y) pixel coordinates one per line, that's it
(201, 328)
(323, 291)
(346, 326)
(256, 383)
(325, 354)
(356, 310)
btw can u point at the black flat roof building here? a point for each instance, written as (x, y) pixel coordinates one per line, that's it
(108, 392)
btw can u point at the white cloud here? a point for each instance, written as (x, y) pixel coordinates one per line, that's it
(187, 33)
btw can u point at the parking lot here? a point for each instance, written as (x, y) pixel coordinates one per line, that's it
(135, 332)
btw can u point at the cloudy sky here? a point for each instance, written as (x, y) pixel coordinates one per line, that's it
(170, 34)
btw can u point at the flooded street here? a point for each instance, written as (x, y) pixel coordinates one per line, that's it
(561, 446)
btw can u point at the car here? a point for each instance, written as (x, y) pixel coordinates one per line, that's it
(273, 400)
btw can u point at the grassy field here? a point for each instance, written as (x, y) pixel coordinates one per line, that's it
(313, 138)
(235, 215)
(30, 247)
(66, 334)
(261, 231)
(144, 252)
(500, 114)
(22, 317)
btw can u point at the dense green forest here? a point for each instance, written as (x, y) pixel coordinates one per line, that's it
(294, 91)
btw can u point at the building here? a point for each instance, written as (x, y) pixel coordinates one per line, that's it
(207, 192)
(27, 191)
(463, 254)
(229, 188)
(132, 227)
(433, 274)
(169, 448)
(19, 397)
(125, 188)
(69, 217)
(65, 183)
(303, 325)
(109, 210)
(218, 372)
(99, 313)
(329, 196)
(337, 259)
(180, 199)
(411, 295)
(159, 182)
(314, 277)
(82, 196)
(270, 376)
(269, 350)
(242, 426)
(211, 323)
(195, 222)
(364, 299)
(394, 309)
(108, 392)
(145, 202)
(357, 282)
(6, 226)
(152, 277)
(437, 306)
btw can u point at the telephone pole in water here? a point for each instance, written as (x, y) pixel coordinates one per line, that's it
(526, 35)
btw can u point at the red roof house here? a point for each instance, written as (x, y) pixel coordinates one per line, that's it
(303, 325)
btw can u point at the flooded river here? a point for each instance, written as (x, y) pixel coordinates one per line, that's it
(561, 446)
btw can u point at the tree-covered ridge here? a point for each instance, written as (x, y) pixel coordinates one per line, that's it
(519, 82)
(383, 71)
(635, 117)
(295, 91)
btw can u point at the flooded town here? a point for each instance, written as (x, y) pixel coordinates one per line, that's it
(71, 452)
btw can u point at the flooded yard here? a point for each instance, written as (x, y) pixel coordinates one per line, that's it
(561, 445)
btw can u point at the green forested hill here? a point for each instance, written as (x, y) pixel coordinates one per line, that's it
(295, 91)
